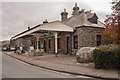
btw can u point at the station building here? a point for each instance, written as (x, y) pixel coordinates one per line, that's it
(82, 29)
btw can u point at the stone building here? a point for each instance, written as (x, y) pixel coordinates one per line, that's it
(82, 29)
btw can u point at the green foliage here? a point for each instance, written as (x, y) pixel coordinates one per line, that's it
(3, 45)
(107, 57)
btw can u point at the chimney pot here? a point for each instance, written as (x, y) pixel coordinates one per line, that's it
(28, 27)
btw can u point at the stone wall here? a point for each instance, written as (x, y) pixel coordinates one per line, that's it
(87, 37)
(47, 38)
(63, 36)
(63, 43)
(12, 43)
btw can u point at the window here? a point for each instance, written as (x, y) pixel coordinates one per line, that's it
(75, 42)
(44, 45)
(32, 43)
(98, 40)
(59, 43)
(49, 44)
(39, 44)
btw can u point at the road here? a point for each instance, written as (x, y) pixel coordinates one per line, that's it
(13, 68)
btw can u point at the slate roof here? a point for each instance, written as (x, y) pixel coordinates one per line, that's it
(82, 20)
(55, 26)
(67, 26)
(51, 26)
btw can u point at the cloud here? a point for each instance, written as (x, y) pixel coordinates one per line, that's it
(102, 15)
(17, 16)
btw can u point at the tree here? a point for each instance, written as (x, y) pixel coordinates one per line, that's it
(112, 31)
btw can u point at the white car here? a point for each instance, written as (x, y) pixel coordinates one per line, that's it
(12, 49)
(4, 49)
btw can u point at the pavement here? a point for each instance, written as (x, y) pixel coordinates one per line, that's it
(66, 64)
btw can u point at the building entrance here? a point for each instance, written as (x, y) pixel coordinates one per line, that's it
(44, 46)
(68, 41)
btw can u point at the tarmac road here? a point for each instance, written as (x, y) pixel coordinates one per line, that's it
(13, 68)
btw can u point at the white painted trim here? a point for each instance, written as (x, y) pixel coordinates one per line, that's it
(48, 27)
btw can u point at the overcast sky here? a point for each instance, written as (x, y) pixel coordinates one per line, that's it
(17, 16)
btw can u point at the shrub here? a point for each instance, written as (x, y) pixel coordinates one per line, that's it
(107, 57)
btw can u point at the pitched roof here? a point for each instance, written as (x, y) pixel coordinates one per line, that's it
(55, 26)
(66, 26)
(51, 26)
(82, 20)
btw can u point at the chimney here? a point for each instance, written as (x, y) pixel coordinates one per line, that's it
(81, 11)
(64, 15)
(75, 10)
(28, 27)
(83, 19)
(45, 21)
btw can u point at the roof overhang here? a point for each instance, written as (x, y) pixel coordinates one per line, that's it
(55, 26)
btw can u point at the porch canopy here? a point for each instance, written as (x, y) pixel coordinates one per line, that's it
(55, 26)
(38, 30)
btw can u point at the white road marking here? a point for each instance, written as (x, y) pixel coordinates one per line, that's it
(83, 76)
(65, 73)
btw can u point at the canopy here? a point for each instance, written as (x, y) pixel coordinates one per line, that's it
(55, 26)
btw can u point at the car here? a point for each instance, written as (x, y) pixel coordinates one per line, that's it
(4, 49)
(12, 49)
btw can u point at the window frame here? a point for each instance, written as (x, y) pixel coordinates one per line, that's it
(99, 40)
(59, 43)
(75, 39)
(49, 43)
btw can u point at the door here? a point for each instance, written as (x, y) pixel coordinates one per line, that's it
(68, 45)
(39, 44)
(44, 46)
(34, 45)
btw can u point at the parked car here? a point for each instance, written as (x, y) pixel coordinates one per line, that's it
(12, 49)
(4, 49)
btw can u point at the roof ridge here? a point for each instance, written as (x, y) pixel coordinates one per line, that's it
(51, 22)
(101, 22)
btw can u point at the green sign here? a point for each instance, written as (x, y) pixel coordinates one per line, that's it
(17, 42)
(47, 34)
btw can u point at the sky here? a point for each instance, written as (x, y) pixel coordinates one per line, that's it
(17, 15)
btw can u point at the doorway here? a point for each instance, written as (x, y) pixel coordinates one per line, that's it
(68, 45)
(44, 46)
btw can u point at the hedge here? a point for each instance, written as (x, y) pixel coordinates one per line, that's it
(107, 57)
